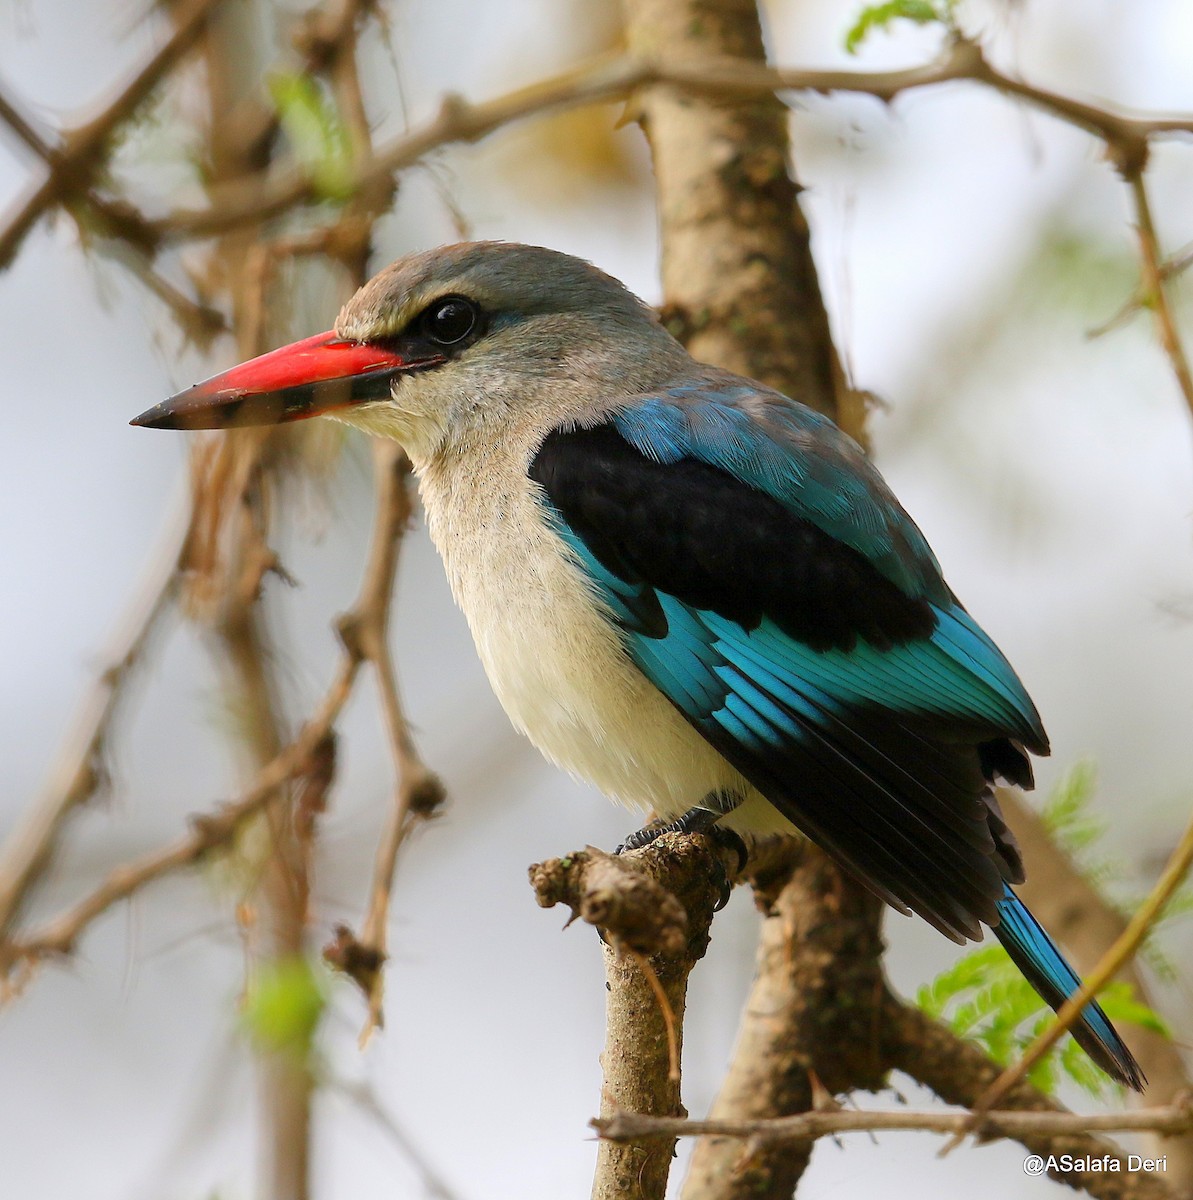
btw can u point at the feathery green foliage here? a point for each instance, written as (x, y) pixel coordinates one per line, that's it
(1073, 825)
(983, 996)
(1076, 830)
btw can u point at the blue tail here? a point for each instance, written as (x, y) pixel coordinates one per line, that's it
(1044, 967)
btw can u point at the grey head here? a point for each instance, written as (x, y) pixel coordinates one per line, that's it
(526, 334)
(450, 345)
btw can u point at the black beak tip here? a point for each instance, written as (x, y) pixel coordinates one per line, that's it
(152, 419)
(171, 414)
(146, 420)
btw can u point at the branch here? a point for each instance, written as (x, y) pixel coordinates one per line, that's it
(1167, 1119)
(653, 908)
(80, 771)
(959, 1071)
(73, 167)
(119, 218)
(208, 832)
(1170, 268)
(217, 829)
(638, 913)
(610, 78)
(419, 791)
(1155, 296)
(328, 42)
(812, 1021)
(126, 231)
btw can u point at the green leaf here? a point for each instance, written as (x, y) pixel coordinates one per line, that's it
(284, 1005)
(315, 130)
(1066, 812)
(983, 996)
(1077, 1066)
(1119, 1003)
(879, 16)
(1067, 817)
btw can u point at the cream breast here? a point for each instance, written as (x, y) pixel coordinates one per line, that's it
(553, 657)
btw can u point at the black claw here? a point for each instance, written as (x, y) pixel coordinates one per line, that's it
(730, 839)
(696, 820)
(724, 889)
(642, 837)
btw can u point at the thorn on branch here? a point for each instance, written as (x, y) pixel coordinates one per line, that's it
(347, 954)
(426, 795)
(315, 783)
(615, 894)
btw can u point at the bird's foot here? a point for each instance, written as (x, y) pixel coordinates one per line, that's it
(727, 839)
(698, 820)
(695, 820)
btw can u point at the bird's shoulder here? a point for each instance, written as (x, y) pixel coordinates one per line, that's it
(718, 438)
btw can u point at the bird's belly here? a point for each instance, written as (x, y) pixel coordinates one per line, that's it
(558, 667)
(560, 672)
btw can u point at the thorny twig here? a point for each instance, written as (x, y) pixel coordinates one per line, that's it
(83, 150)
(216, 829)
(1153, 276)
(419, 791)
(1168, 1119)
(1170, 268)
(80, 769)
(610, 78)
(125, 235)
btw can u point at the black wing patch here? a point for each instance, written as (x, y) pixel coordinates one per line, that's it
(697, 533)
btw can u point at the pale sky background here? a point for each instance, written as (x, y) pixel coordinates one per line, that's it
(966, 246)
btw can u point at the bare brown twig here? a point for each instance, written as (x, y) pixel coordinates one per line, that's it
(125, 235)
(1169, 1119)
(120, 220)
(208, 832)
(419, 792)
(1170, 268)
(1155, 297)
(80, 769)
(74, 166)
(654, 906)
(213, 830)
(328, 38)
(959, 1072)
(610, 78)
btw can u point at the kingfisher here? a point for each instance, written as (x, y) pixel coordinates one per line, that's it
(686, 588)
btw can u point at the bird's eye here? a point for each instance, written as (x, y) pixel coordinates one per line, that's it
(450, 320)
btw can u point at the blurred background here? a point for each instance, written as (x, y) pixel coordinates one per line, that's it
(967, 247)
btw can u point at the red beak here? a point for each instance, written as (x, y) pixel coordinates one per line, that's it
(300, 380)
